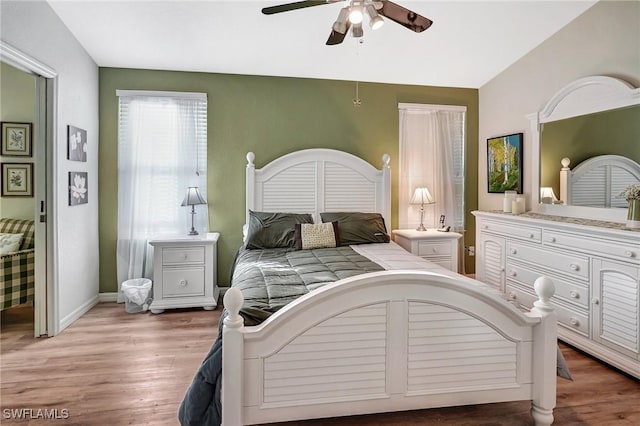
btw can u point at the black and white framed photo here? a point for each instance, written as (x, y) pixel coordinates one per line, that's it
(17, 179)
(78, 188)
(76, 143)
(16, 139)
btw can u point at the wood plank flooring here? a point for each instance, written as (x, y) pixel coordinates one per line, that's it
(115, 368)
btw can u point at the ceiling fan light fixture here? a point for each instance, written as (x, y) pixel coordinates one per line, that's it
(357, 31)
(375, 20)
(340, 26)
(356, 14)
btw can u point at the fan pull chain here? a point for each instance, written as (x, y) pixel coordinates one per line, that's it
(357, 101)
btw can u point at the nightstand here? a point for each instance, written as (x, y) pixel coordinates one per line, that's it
(185, 272)
(435, 246)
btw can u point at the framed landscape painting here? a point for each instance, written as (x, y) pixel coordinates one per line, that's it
(504, 163)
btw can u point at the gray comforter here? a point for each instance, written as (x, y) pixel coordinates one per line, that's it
(268, 279)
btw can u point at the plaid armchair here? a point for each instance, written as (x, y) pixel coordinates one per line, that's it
(17, 270)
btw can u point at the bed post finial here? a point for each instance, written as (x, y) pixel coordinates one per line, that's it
(545, 344)
(233, 301)
(564, 180)
(250, 157)
(544, 288)
(386, 160)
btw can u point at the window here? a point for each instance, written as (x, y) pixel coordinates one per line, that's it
(432, 155)
(162, 150)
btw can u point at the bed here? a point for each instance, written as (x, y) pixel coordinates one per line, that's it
(399, 334)
(598, 181)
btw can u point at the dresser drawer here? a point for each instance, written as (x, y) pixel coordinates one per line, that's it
(182, 255)
(568, 291)
(573, 265)
(436, 248)
(595, 246)
(523, 232)
(572, 319)
(178, 282)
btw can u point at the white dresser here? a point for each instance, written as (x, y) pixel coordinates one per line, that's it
(185, 272)
(595, 267)
(435, 246)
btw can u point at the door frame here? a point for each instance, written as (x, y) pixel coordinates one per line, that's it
(45, 130)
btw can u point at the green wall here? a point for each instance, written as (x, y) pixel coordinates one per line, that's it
(580, 138)
(17, 104)
(271, 116)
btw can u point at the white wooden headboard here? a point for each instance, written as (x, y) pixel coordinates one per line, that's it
(319, 180)
(596, 182)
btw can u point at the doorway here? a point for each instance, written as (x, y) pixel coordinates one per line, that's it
(38, 95)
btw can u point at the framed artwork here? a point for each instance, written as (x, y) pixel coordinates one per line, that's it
(76, 143)
(504, 163)
(17, 179)
(16, 139)
(78, 188)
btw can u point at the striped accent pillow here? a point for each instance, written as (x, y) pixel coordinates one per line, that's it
(318, 235)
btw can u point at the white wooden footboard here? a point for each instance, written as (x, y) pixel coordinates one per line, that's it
(388, 341)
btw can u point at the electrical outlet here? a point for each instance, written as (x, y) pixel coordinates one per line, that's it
(472, 251)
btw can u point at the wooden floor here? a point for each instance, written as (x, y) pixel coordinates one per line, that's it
(115, 368)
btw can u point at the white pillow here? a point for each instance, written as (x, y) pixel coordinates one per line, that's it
(9, 243)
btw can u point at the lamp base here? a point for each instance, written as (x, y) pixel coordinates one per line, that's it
(421, 228)
(194, 232)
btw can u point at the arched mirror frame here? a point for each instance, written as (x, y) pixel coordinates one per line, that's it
(583, 96)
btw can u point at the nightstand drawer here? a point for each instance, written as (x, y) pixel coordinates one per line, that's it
(183, 282)
(427, 248)
(182, 255)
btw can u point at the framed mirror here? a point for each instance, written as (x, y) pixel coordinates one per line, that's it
(588, 99)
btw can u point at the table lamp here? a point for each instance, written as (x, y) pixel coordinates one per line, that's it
(193, 198)
(421, 196)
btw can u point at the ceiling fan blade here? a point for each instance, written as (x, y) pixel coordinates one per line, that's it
(335, 37)
(293, 6)
(405, 17)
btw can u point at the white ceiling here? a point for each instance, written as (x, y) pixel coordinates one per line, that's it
(469, 43)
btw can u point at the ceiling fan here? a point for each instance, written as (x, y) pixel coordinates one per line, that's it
(352, 16)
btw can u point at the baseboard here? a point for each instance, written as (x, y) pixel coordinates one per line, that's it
(108, 297)
(77, 313)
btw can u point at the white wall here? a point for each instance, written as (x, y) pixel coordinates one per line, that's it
(34, 29)
(605, 40)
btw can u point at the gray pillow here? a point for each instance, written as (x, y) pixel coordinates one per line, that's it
(273, 230)
(358, 228)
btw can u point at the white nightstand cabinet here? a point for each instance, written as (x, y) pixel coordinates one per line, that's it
(184, 272)
(435, 246)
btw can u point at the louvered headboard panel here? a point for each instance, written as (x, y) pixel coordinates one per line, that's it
(319, 180)
(598, 181)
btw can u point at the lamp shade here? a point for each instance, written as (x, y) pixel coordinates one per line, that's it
(421, 196)
(193, 197)
(547, 196)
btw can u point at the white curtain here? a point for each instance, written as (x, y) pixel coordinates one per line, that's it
(162, 150)
(432, 155)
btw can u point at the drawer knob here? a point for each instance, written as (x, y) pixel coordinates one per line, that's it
(574, 321)
(486, 226)
(574, 267)
(531, 235)
(574, 294)
(182, 283)
(595, 301)
(552, 239)
(184, 256)
(513, 251)
(435, 250)
(513, 273)
(513, 295)
(629, 253)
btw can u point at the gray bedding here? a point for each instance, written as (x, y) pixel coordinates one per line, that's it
(268, 279)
